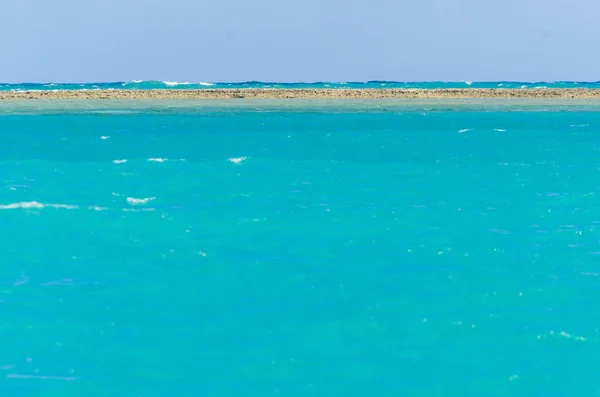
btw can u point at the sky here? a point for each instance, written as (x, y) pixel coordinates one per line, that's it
(299, 40)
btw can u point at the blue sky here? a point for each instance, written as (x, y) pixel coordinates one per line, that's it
(308, 40)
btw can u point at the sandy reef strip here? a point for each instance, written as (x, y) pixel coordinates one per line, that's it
(301, 93)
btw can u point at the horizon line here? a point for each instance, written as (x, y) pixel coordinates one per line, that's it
(173, 82)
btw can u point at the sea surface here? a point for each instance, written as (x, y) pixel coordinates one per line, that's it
(289, 248)
(153, 85)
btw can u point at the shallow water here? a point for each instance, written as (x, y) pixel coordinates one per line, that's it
(282, 248)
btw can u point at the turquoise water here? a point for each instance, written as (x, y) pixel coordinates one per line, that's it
(147, 85)
(283, 248)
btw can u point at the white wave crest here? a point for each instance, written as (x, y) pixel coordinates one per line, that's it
(137, 201)
(35, 205)
(105, 137)
(499, 129)
(465, 130)
(158, 160)
(175, 83)
(119, 161)
(237, 160)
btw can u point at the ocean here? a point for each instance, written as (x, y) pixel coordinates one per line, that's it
(299, 248)
(157, 85)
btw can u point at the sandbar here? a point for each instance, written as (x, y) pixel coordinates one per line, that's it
(302, 93)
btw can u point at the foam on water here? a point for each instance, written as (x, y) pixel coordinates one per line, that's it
(35, 205)
(174, 83)
(139, 201)
(237, 160)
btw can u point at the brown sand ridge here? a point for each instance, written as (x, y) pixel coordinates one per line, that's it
(301, 93)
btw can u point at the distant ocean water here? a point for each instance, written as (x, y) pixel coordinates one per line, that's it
(139, 84)
(386, 248)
